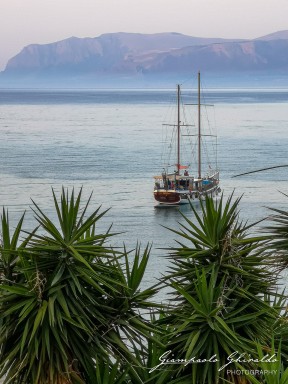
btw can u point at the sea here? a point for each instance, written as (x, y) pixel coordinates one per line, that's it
(109, 142)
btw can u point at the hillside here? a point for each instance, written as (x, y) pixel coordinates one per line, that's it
(133, 56)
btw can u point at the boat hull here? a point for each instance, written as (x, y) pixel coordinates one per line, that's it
(167, 197)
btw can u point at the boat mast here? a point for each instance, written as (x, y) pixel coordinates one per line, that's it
(178, 129)
(199, 129)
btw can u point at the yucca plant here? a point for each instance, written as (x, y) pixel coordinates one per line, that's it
(269, 372)
(221, 279)
(8, 248)
(72, 301)
(8, 271)
(277, 249)
(148, 356)
(278, 232)
(130, 332)
(109, 372)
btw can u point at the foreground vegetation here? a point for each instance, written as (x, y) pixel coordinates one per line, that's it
(72, 309)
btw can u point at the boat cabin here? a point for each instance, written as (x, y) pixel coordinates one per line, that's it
(181, 182)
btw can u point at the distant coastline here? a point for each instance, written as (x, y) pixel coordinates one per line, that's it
(133, 60)
(217, 81)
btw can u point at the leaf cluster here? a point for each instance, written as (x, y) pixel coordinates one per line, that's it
(223, 294)
(69, 303)
(73, 310)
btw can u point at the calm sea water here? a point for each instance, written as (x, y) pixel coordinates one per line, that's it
(109, 142)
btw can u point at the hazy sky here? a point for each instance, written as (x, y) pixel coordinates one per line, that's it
(24, 22)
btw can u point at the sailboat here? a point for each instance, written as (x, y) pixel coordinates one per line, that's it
(181, 186)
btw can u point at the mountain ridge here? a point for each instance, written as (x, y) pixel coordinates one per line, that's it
(148, 55)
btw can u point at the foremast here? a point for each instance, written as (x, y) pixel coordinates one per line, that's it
(199, 126)
(178, 130)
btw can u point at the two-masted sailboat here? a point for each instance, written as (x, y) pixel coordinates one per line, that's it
(180, 186)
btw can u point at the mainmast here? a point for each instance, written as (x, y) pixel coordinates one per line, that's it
(199, 128)
(178, 129)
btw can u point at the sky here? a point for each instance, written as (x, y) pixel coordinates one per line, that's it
(24, 22)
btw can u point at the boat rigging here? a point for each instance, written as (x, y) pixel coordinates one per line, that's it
(178, 187)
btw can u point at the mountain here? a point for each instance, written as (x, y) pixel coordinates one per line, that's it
(280, 35)
(135, 57)
(232, 57)
(106, 52)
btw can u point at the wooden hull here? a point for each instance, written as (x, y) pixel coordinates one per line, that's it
(167, 197)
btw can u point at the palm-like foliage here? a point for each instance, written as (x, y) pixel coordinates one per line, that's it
(221, 280)
(8, 247)
(109, 372)
(70, 300)
(270, 372)
(72, 309)
(148, 356)
(218, 238)
(278, 233)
